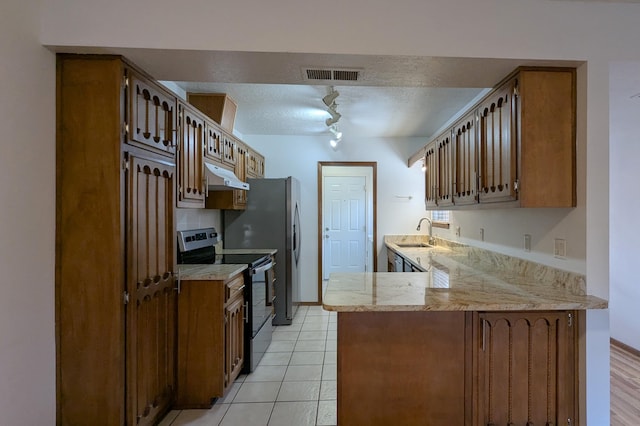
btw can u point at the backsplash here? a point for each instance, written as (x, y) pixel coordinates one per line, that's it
(198, 218)
(490, 261)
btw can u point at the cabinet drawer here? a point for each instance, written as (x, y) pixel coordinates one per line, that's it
(234, 288)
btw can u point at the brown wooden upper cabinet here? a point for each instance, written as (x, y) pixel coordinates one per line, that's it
(465, 161)
(430, 175)
(498, 178)
(191, 182)
(255, 164)
(213, 145)
(516, 147)
(152, 115)
(236, 199)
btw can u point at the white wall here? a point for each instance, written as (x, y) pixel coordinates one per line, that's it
(591, 31)
(298, 156)
(625, 202)
(27, 219)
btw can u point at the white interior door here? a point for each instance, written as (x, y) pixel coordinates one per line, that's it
(344, 224)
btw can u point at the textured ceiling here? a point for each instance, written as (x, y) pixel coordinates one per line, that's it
(397, 96)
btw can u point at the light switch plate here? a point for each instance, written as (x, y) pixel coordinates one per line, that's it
(527, 242)
(481, 234)
(457, 231)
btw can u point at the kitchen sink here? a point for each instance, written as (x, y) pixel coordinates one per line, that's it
(414, 245)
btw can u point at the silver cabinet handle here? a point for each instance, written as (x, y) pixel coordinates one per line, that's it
(246, 312)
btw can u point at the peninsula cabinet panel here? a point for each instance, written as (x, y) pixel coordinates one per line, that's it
(191, 190)
(152, 116)
(465, 161)
(402, 368)
(526, 368)
(498, 146)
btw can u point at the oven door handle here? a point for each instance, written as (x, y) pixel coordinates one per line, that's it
(262, 268)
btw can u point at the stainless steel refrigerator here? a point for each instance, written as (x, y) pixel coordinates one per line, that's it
(272, 220)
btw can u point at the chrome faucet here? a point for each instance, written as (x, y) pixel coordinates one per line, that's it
(430, 228)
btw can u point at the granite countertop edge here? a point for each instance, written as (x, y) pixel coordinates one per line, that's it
(475, 285)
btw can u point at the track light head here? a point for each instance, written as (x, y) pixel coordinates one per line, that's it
(333, 120)
(334, 129)
(330, 98)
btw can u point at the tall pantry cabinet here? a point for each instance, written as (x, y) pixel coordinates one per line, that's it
(115, 232)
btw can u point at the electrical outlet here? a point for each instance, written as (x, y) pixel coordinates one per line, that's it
(527, 242)
(481, 234)
(560, 248)
(457, 231)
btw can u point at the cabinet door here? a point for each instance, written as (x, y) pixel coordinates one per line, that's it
(234, 339)
(498, 146)
(191, 191)
(255, 165)
(150, 314)
(228, 150)
(152, 116)
(465, 161)
(241, 172)
(444, 185)
(526, 368)
(430, 176)
(213, 142)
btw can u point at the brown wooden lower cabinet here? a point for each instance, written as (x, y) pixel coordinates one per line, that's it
(456, 368)
(210, 339)
(526, 368)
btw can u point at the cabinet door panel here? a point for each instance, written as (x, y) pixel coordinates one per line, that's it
(498, 146)
(465, 161)
(152, 116)
(234, 339)
(526, 368)
(191, 191)
(151, 310)
(444, 187)
(213, 147)
(430, 176)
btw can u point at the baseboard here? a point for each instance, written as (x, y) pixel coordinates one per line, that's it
(309, 303)
(625, 347)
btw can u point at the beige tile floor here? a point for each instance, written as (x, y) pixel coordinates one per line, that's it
(294, 384)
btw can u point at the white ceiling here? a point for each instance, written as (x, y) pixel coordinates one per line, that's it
(396, 96)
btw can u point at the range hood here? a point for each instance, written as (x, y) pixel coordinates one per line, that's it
(220, 179)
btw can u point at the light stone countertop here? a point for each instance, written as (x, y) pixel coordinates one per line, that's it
(459, 278)
(210, 272)
(247, 251)
(219, 272)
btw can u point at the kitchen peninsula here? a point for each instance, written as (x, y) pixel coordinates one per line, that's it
(476, 338)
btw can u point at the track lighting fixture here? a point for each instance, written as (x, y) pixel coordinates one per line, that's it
(335, 116)
(334, 129)
(330, 99)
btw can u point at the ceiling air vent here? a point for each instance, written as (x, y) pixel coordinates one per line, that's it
(327, 74)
